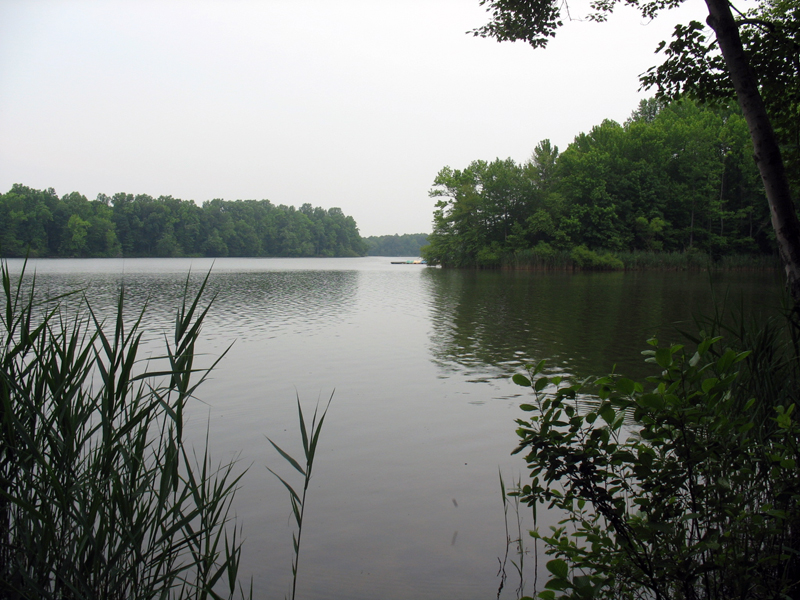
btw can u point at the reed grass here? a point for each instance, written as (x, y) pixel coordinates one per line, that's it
(771, 371)
(100, 495)
(563, 260)
(532, 260)
(310, 439)
(516, 543)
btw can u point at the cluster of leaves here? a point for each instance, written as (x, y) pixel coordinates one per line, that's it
(676, 488)
(408, 244)
(589, 259)
(100, 497)
(675, 177)
(770, 34)
(42, 224)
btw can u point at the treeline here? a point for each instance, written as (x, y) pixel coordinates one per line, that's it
(40, 223)
(675, 178)
(408, 244)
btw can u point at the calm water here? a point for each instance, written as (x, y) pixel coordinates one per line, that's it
(405, 501)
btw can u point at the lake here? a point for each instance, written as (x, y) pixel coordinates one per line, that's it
(405, 499)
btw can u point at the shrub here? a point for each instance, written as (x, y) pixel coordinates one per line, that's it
(589, 259)
(672, 488)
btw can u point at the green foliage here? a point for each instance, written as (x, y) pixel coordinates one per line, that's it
(694, 67)
(756, 54)
(310, 438)
(590, 260)
(683, 486)
(675, 178)
(40, 224)
(408, 244)
(542, 257)
(100, 497)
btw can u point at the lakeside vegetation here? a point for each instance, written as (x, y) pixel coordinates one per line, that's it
(581, 258)
(407, 244)
(676, 181)
(685, 485)
(40, 224)
(100, 494)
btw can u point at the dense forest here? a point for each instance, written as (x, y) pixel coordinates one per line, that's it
(42, 224)
(408, 244)
(675, 178)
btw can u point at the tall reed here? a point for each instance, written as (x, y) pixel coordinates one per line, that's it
(310, 440)
(100, 495)
(771, 371)
(548, 259)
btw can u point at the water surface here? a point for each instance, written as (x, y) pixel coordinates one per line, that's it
(405, 500)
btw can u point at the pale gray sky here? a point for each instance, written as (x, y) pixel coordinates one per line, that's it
(349, 103)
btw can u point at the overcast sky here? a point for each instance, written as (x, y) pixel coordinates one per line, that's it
(350, 103)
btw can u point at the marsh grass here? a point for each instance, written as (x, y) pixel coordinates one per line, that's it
(310, 439)
(548, 259)
(771, 371)
(531, 259)
(516, 544)
(695, 261)
(100, 495)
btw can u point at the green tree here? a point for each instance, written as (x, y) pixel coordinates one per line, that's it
(481, 212)
(27, 221)
(675, 177)
(75, 243)
(536, 22)
(127, 225)
(408, 244)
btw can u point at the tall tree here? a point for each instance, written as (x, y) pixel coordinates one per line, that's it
(536, 21)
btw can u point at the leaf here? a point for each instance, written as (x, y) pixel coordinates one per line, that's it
(541, 383)
(557, 583)
(626, 386)
(607, 413)
(708, 384)
(653, 401)
(664, 357)
(746, 427)
(521, 380)
(288, 458)
(726, 361)
(558, 567)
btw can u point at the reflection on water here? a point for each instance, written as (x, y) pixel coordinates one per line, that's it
(488, 323)
(405, 497)
(249, 304)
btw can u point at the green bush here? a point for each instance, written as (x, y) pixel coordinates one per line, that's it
(672, 488)
(100, 497)
(488, 257)
(589, 259)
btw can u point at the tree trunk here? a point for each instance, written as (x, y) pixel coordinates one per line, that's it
(765, 144)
